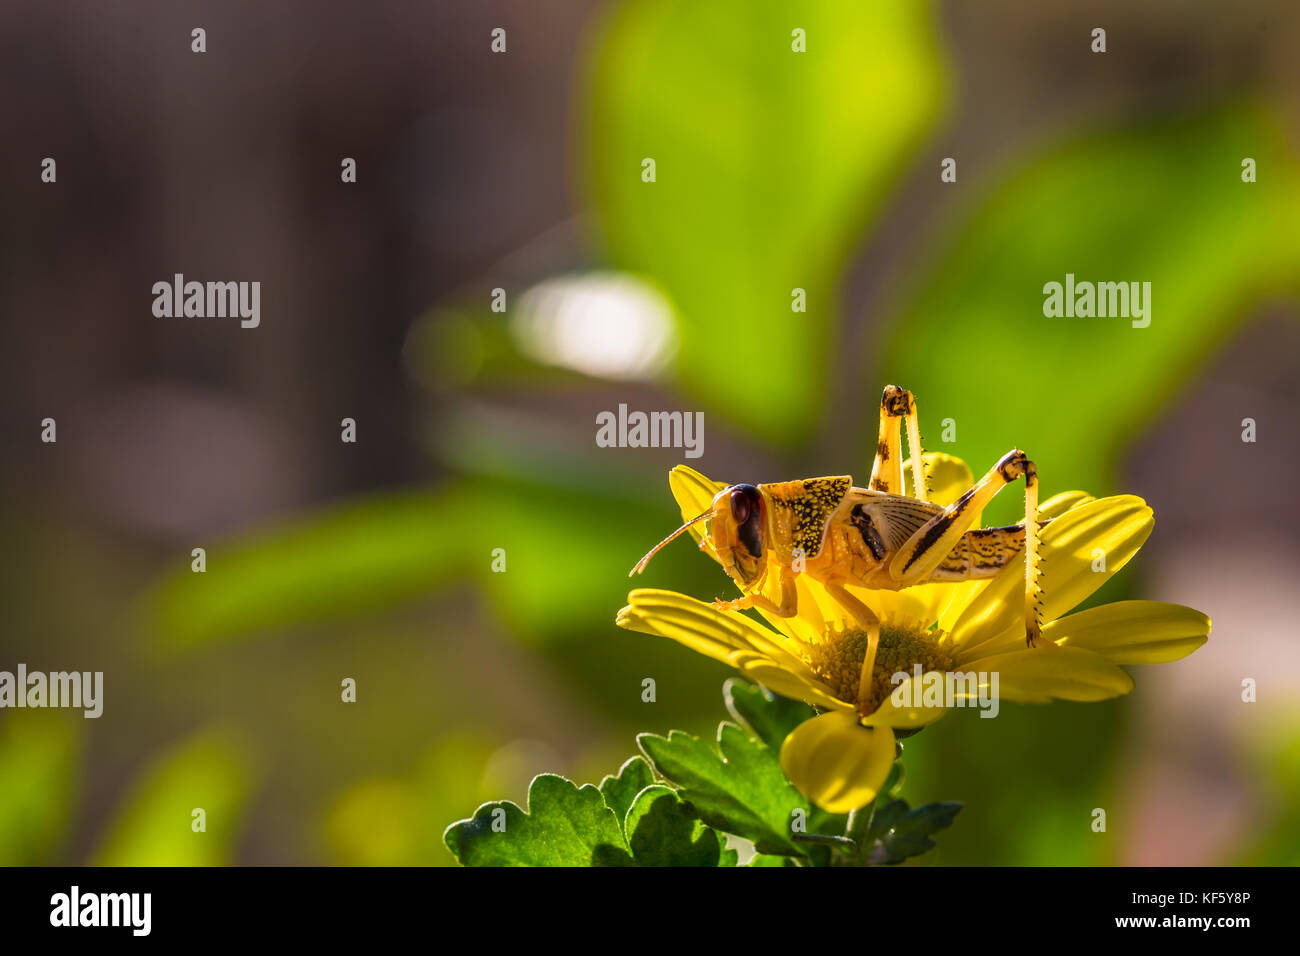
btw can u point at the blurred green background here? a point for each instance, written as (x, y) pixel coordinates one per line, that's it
(522, 171)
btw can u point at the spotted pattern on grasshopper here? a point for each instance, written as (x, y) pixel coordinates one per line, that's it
(876, 537)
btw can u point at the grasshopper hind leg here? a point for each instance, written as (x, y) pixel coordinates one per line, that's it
(926, 549)
(1033, 629)
(898, 410)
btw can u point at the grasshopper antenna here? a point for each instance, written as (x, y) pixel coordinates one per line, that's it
(640, 565)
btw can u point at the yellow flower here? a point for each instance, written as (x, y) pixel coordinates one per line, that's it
(932, 637)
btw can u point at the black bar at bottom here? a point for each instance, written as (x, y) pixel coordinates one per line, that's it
(301, 905)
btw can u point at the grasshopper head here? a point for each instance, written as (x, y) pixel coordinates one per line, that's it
(737, 530)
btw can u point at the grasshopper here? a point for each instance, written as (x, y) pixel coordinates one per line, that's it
(874, 537)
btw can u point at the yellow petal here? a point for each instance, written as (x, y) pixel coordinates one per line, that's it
(673, 614)
(799, 685)
(904, 708)
(1037, 675)
(822, 611)
(808, 625)
(1058, 505)
(1133, 632)
(694, 494)
(706, 643)
(1011, 638)
(1115, 527)
(818, 611)
(946, 602)
(960, 596)
(726, 636)
(918, 606)
(837, 763)
(949, 476)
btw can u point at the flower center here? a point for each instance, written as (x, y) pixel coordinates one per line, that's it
(838, 661)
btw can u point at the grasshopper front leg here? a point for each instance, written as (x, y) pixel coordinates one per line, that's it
(925, 550)
(871, 624)
(788, 607)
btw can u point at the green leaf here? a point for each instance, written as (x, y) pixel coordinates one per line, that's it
(38, 764)
(741, 790)
(768, 715)
(1160, 202)
(829, 840)
(766, 859)
(620, 790)
(898, 833)
(772, 717)
(344, 559)
(565, 825)
(823, 821)
(155, 827)
(373, 552)
(662, 831)
(769, 163)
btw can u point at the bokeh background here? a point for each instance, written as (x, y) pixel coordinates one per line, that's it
(521, 171)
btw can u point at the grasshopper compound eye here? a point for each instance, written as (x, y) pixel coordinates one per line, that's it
(744, 502)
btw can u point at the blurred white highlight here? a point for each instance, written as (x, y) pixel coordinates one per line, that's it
(605, 324)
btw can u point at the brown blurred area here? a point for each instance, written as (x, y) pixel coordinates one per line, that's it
(225, 165)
